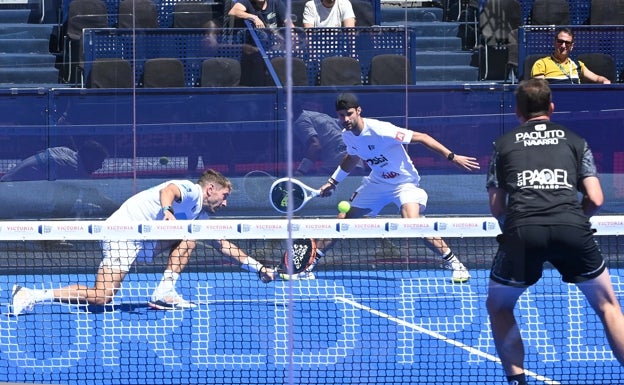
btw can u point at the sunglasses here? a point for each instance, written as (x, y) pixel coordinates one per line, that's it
(561, 41)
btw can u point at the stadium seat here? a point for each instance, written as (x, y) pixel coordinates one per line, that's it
(220, 72)
(191, 14)
(607, 12)
(529, 60)
(340, 71)
(299, 71)
(389, 69)
(137, 14)
(599, 63)
(550, 12)
(110, 73)
(163, 73)
(81, 14)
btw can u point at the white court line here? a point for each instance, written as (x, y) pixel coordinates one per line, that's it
(439, 336)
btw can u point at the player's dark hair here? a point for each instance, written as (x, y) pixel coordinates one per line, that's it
(212, 176)
(564, 30)
(533, 98)
(92, 155)
(346, 101)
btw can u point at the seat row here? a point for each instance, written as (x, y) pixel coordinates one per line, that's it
(386, 69)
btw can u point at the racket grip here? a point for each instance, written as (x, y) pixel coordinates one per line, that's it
(265, 277)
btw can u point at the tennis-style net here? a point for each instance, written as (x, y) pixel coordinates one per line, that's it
(381, 310)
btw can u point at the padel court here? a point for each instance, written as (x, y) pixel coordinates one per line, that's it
(376, 326)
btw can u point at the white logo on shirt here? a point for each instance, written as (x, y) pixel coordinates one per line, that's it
(544, 179)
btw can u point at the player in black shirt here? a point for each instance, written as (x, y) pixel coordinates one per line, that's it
(533, 181)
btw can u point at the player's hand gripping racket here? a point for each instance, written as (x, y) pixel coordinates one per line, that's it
(300, 194)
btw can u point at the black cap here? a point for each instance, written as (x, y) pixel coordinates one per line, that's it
(345, 101)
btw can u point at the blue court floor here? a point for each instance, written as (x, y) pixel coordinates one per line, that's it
(356, 327)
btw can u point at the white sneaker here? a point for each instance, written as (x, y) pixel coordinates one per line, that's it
(170, 301)
(306, 275)
(460, 273)
(22, 300)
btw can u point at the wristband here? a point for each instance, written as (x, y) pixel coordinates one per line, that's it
(167, 208)
(450, 156)
(305, 165)
(339, 175)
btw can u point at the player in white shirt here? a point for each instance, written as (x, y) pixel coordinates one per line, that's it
(393, 177)
(176, 199)
(328, 14)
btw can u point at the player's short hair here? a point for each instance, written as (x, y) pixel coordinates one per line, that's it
(212, 176)
(346, 101)
(533, 97)
(92, 155)
(566, 30)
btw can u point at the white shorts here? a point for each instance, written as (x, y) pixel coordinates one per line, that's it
(375, 196)
(120, 255)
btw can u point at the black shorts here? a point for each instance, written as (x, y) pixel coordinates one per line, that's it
(522, 252)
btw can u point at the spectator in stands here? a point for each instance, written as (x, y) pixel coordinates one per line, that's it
(328, 13)
(261, 13)
(559, 68)
(59, 163)
(167, 201)
(533, 188)
(320, 136)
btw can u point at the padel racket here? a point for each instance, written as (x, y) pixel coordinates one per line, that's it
(299, 194)
(303, 256)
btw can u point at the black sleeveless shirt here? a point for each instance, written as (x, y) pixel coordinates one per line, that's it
(540, 165)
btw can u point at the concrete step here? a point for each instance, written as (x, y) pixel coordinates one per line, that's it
(19, 75)
(429, 29)
(435, 43)
(27, 60)
(446, 73)
(19, 16)
(24, 46)
(439, 58)
(25, 31)
(397, 13)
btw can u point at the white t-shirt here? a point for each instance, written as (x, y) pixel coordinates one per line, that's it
(145, 206)
(380, 145)
(318, 15)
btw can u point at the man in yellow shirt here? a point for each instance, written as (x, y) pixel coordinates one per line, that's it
(558, 68)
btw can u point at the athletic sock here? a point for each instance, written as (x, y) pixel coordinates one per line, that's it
(448, 255)
(43, 295)
(518, 379)
(167, 282)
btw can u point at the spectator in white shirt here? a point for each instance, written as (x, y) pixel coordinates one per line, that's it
(328, 13)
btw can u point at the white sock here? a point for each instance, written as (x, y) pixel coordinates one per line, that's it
(41, 295)
(448, 255)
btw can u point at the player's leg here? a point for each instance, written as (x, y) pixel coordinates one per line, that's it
(413, 200)
(118, 257)
(500, 304)
(579, 260)
(601, 296)
(166, 296)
